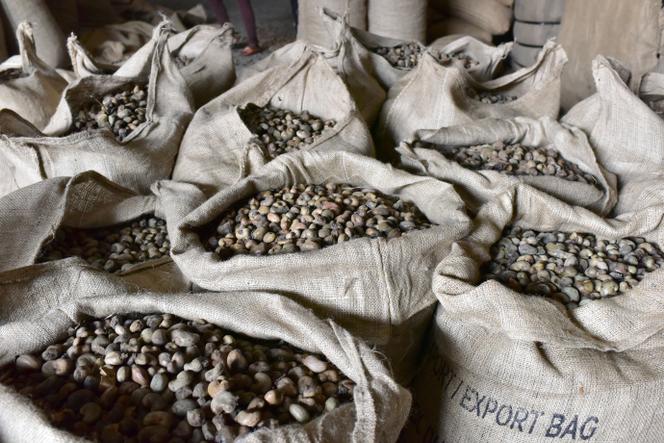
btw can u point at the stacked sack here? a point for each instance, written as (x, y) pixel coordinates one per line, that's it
(535, 22)
(404, 20)
(482, 19)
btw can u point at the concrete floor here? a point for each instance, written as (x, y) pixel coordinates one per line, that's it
(274, 23)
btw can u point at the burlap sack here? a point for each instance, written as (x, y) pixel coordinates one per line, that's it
(454, 25)
(403, 20)
(504, 366)
(35, 94)
(143, 157)
(386, 74)
(311, 26)
(651, 91)
(348, 58)
(642, 192)
(30, 217)
(37, 309)
(480, 187)
(489, 15)
(215, 153)
(629, 31)
(49, 37)
(208, 67)
(627, 135)
(434, 96)
(490, 58)
(380, 290)
(203, 54)
(114, 44)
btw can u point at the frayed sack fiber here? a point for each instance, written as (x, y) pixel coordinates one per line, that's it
(478, 187)
(504, 366)
(216, 151)
(50, 302)
(380, 290)
(145, 155)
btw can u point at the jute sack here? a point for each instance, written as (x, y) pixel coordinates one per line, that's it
(627, 135)
(143, 157)
(50, 39)
(36, 93)
(651, 91)
(205, 52)
(215, 152)
(482, 186)
(380, 290)
(386, 74)
(489, 15)
(504, 366)
(312, 28)
(348, 58)
(114, 44)
(404, 20)
(490, 58)
(642, 192)
(37, 308)
(434, 96)
(30, 217)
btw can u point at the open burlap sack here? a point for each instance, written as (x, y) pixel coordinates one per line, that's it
(380, 290)
(367, 42)
(478, 187)
(489, 58)
(146, 155)
(627, 135)
(30, 217)
(311, 26)
(348, 58)
(434, 96)
(404, 20)
(215, 152)
(35, 94)
(627, 31)
(37, 308)
(114, 44)
(504, 366)
(205, 52)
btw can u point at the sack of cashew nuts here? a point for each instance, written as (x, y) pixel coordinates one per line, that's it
(88, 359)
(126, 127)
(346, 235)
(549, 327)
(483, 159)
(433, 96)
(303, 106)
(90, 220)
